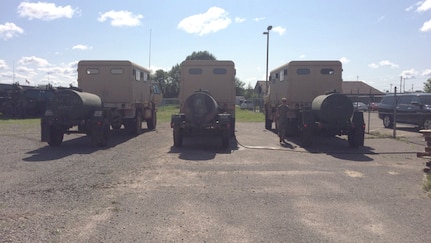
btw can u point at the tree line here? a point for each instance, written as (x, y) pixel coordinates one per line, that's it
(169, 81)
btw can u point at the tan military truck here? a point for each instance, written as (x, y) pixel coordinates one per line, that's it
(313, 90)
(125, 90)
(207, 100)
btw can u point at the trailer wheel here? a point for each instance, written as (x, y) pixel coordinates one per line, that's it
(356, 138)
(306, 138)
(178, 137)
(104, 135)
(55, 136)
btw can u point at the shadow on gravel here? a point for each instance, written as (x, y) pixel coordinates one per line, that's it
(337, 146)
(78, 145)
(203, 148)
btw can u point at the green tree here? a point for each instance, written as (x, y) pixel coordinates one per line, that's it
(201, 55)
(249, 92)
(239, 86)
(427, 86)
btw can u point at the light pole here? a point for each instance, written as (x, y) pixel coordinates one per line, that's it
(267, 54)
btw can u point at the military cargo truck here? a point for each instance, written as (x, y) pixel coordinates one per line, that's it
(125, 90)
(207, 100)
(313, 90)
(117, 93)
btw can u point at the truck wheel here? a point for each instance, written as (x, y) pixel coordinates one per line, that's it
(387, 121)
(268, 124)
(136, 127)
(116, 126)
(178, 137)
(55, 137)
(151, 123)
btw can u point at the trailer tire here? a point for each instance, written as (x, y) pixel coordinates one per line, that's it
(225, 140)
(55, 136)
(306, 138)
(104, 135)
(178, 136)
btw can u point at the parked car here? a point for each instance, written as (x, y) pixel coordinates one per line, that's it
(412, 108)
(373, 106)
(247, 105)
(359, 106)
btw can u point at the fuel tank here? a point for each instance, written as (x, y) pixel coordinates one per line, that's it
(332, 108)
(75, 105)
(200, 108)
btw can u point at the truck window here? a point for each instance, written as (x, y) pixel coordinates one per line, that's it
(117, 71)
(195, 71)
(327, 71)
(303, 71)
(219, 71)
(92, 71)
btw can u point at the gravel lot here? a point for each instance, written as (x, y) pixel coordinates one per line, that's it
(140, 189)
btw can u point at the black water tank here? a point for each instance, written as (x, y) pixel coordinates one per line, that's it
(75, 105)
(200, 108)
(332, 108)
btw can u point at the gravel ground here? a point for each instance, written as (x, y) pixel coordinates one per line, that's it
(140, 189)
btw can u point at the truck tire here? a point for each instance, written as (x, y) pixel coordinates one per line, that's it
(136, 124)
(151, 123)
(55, 136)
(178, 137)
(268, 124)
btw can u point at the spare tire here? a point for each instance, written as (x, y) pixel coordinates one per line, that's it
(200, 108)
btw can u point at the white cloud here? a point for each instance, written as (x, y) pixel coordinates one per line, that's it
(386, 63)
(426, 26)
(33, 61)
(344, 60)
(278, 29)
(3, 65)
(81, 47)
(411, 73)
(213, 20)
(373, 65)
(259, 19)
(9, 30)
(424, 6)
(121, 18)
(426, 72)
(239, 20)
(44, 11)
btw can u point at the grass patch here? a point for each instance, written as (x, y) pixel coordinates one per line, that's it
(427, 183)
(30, 121)
(164, 114)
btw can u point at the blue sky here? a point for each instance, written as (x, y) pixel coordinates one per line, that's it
(377, 41)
